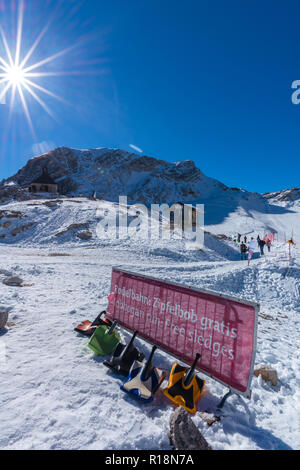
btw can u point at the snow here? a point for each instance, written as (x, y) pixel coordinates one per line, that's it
(56, 395)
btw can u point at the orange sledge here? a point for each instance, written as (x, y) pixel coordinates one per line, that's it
(87, 328)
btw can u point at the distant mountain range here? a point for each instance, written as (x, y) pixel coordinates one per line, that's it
(114, 172)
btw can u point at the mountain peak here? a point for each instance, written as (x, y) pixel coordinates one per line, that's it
(291, 194)
(114, 172)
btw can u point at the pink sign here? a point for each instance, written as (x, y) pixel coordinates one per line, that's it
(185, 321)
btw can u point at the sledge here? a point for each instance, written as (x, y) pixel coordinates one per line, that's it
(185, 388)
(87, 327)
(124, 356)
(104, 340)
(144, 380)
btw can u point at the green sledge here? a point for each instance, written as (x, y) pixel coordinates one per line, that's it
(104, 340)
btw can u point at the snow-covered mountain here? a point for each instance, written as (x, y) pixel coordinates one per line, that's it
(114, 172)
(286, 195)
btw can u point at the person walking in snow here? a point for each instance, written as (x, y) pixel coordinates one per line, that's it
(245, 239)
(251, 249)
(269, 244)
(261, 244)
(258, 239)
(239, 238)
(244, 250)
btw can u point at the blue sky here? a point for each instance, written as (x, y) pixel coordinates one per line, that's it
(201, 80)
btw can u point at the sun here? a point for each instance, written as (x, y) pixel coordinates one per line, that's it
(15, 75)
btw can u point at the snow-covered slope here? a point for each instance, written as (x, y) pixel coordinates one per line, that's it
(54, 393)
(58, 221)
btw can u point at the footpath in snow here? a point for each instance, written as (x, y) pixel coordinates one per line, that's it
(56, 395)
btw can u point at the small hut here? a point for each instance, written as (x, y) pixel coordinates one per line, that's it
(44, 184)
(187, 211)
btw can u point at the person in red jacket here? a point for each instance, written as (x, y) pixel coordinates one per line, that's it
(269, 244)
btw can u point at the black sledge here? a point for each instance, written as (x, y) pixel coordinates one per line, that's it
(124, 356)
(144, 380)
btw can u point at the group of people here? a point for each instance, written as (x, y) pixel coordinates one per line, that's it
(248, 248)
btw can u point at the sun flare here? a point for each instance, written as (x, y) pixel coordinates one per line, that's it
(17, 77)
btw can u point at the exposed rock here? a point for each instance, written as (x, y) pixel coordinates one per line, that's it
(14, 281)
(221, 236)
(8, 193)
(3, 318)
(86, 235)
(18, 230)
(74, 201)
(268, 374)
(5, 225)
(72, 227)
(14, 215)
(291, 194)
(50, 204)
(184, 435)
(11, 214)
(67, 186)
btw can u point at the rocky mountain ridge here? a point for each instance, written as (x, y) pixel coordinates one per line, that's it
(113, 172)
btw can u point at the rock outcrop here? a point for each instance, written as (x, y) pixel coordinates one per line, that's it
(268, 374)
(184, 435)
